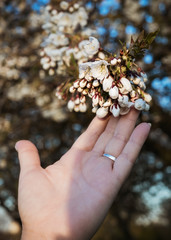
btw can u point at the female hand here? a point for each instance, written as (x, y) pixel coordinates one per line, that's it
(70, 198)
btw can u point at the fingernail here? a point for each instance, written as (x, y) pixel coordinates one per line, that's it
(16, 146)
(149, 124)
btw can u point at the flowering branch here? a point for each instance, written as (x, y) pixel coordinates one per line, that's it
(114, 84)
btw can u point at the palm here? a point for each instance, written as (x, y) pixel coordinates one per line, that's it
(75, 193)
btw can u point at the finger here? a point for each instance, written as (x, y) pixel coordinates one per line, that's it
(28, 155)
(105, 136)
(125, 161)
(87, 140)
(122, 133)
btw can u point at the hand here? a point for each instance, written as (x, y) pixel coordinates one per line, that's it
(70, 199)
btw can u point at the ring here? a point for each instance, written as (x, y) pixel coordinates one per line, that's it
(109, 156)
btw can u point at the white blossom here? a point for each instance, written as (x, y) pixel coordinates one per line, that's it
(107, 83)
(139, 104)
(102, 112)
(81, 17)
(114, 92)
(126, 86)
(99, 69)
(57, 39)
(91, 47)
(85, 70)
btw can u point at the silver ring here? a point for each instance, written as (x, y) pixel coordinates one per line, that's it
(109, 156)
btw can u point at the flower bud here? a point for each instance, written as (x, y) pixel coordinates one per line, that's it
(101, 101)
(144, 76)
(70, 105)
(52, 64)
(94, 109)
(95, 100)
(82, 99)
(80, 89)
(91, 93)
(132, 94)
(76, 84)
(119, 60)
(64, 5)
(96, 83)
(83, 107)
(107, 83)
(101, 55)
(136, 80)
(115, 110)
(46, 66)
(142, 85)
(123, 101)
(72, 89)
(114, 92)
(126, 86)
(77, 100)
(147, 97)
(51, 72)
(76, 5)
(108, 103)
(85, 91)
(124, 110)
(139, 104)
(102, 112)
(89, 85)
(147, 107)
(77, 108)
(113, 61)
(83, 83)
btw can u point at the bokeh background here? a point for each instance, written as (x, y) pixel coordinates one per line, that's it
(30, 110)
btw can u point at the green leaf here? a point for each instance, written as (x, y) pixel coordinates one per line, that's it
(137, 47)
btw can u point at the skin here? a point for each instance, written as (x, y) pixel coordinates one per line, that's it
(70, 198)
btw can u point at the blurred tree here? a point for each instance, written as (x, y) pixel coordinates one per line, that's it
(29, 109)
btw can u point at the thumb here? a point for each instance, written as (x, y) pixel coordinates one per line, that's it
(28, 155)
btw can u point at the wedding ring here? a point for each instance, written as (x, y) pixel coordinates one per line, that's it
(109, 156)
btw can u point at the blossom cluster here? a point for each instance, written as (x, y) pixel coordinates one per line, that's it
(114, 84)
(65, 29)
